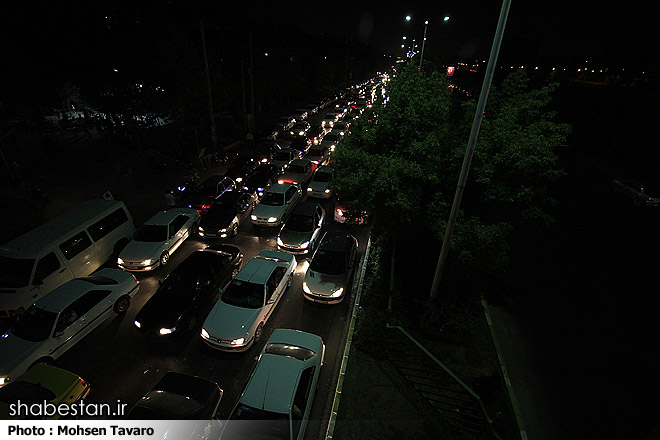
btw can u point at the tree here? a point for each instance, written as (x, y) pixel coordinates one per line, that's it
(403, 166)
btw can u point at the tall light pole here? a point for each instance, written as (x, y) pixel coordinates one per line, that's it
(472, 141)
(421, 58)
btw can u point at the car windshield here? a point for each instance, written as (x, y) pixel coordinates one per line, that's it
(300, 223)
(34, 325)
(322, 177)
(15, 272)
(282, 155)
(272, 199)
(328, 262)
(244, 294)
(151, 233)
(288, 350)
(298, 169)
(315, 152)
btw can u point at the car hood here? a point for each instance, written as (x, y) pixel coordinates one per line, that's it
(230, 322)
(324, 284)
(268, 211)
(318, 186)
(217, 220)
(141, 250)
(294, 238)
(163, 310)
(16, 354)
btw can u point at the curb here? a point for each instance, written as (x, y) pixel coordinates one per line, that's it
(347, 349)
(512, 397)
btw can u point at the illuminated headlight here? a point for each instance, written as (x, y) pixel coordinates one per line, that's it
(245, 188)
(338, 293)
(205, 334)
(261, 193)
(120, 261)
(199, 228)
(309, 189)
(264, 160)
(166, 331)
(280, 181)
(301, 133)
(260, 189)
(137, 324)
(305, 245)
(272, 219)
(327, 191)
(4, 381)
(306, 288)
(239, 179)
(147, 262)
(279, 242)
(253, 217)
(239, 341)
(223, 231)
(340, 212)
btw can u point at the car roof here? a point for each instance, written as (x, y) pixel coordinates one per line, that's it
(303, 162)
(325, 169)
(165, 217)
(64, 295)
(334, 241)
(305, 208)
(280, 188)
(273, 383)
(259, 268)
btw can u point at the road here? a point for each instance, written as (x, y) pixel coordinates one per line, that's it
(123, 364)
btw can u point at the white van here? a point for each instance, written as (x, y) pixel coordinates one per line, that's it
(71, 245)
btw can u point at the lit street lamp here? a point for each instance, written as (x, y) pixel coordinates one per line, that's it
(421, 58)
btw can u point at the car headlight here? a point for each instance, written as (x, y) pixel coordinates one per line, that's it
(279, 242)
(137, 324)
(120, 261)
(167, 331)
(245, 188)
(239, 179)
(309, 189)
(327, 190)
(253, 217)
(280, 181)
(340, 212)
(338, 293)
(301, 133)
(272, 219)
(200, 229)
(205, 334)
(222, 231)
(306, 288)
(238, 341)
(304, 245)
(260, 189)
(148, 262)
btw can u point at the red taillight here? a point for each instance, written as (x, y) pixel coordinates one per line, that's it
(205, 207)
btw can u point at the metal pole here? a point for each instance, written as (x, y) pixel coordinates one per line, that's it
(421, 58)
(474, 134)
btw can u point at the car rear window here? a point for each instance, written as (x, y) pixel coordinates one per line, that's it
(98, 280)
(288, 350)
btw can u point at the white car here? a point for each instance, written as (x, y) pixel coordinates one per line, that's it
(161, 235)
(319, 186)
(299, 172)
(237, 319)
(276, 204)
(280, 392)
(330, 273)
(62, 318)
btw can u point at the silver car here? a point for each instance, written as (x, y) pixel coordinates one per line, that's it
(302, 229)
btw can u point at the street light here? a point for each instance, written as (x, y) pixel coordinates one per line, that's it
(421, 58)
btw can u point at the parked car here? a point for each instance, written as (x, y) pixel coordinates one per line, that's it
(42, 383)
(226, 215)
(318, 154)
(302, 229)
(280, 391)
(635, 191)
(262, 178)
(158, 238)
(179, 396)
(276, 204)
(320, 184)
(238, 318)
(192, 285)
(284, 157)
(61, 319)
(208, 191)
(299, 172)
(240, 168)
(330, 273)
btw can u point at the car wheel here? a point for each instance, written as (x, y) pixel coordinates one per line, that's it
(258, 333)
(122, 304)
(234, 230)
(164, 258)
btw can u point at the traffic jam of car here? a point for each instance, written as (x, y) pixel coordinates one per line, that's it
(214, 292)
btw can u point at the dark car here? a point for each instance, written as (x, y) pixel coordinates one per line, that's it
(179, 396)
(207, 192)
(259, 180)
(226, 214)
(192, 285)
(302, 229)
(241, 167)
(299, 129)
(270, 132)
(284, 157)
(261, 151)
(301, 143)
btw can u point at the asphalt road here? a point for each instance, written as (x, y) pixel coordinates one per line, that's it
(122, 364)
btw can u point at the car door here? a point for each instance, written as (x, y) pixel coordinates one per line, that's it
(289, 199)
(318, 225)
(177, 232)
(50, 273)
(302, 402)
(67, 326)
(79, 252)
(93, 306)
(274, 289)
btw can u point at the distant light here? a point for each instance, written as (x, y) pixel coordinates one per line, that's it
(446, 18)
(408, 18)
(426, 22)
(265, 53)
(404, 37)
(536, 68)
(115, 70)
